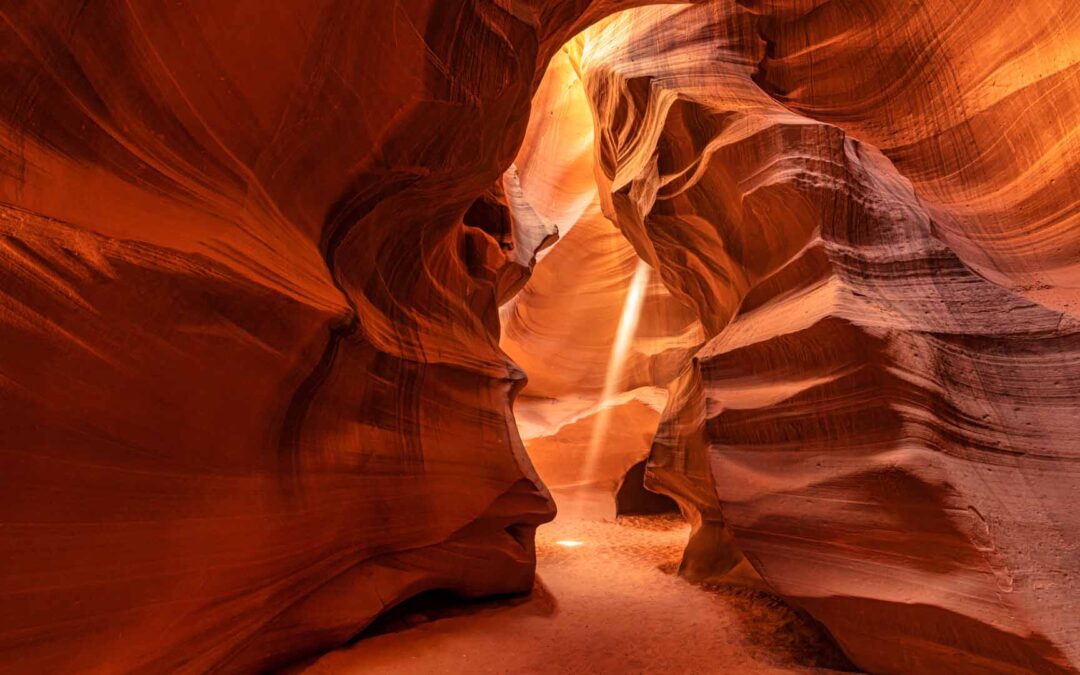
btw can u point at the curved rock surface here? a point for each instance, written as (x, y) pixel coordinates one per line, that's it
(857, 198)
(251, 258)
(251, 386)
(588, 408)
(561, 327)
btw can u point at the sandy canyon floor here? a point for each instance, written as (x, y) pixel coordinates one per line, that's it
(610, 604)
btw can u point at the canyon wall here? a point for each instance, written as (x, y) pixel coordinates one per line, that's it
(872, 207)
(250, 267)
(590, 409)
(251, 386)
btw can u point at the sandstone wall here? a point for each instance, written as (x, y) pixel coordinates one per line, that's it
(873, 207)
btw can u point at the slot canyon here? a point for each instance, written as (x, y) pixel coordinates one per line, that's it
(540, 336)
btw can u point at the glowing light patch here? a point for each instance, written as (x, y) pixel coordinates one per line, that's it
(624, 337)
(569, 543)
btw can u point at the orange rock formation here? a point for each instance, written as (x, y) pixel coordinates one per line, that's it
(252, 256)
(873, 207)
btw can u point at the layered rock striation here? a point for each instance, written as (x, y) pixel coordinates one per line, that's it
(251, 258)
(250, 380)
(886, 417)
(591, 406)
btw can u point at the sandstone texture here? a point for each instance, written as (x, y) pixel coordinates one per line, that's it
(249, 370)
(256, 385)
(591, 406)
(873, 209)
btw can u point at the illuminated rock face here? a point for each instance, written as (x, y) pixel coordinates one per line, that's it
(873, 209)
(251, 388)
(590, 410)
(251, 257)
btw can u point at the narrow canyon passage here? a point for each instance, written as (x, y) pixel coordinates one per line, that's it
(599, 336)
(313, 311)
(607, 601)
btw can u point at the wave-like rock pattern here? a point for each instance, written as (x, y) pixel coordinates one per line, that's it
(584, 410)
(561, 327)
(251, 256)
(855, 198)
(251, 386)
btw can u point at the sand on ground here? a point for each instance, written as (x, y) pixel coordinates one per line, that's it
(609, 605)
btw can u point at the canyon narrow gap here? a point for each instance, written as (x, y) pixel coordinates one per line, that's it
(540, 336)
(607, 602)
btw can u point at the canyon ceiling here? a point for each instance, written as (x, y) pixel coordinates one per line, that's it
(255, 386)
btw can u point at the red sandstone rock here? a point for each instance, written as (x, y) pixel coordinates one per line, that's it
(580, 412)
(888, 412)
(249, 375)
(559, 436)
(251, 256)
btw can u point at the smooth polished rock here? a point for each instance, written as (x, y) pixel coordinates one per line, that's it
(857, 199)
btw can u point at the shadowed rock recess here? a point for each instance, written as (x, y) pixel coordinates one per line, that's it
(255, 388)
